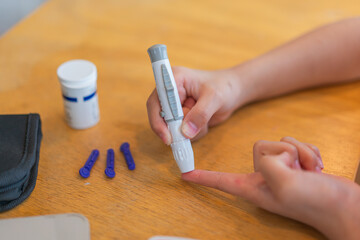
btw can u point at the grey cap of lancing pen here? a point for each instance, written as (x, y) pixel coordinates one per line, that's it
(157, 52)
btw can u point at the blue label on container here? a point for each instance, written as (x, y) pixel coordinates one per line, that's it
(70, 99)
(86, 98)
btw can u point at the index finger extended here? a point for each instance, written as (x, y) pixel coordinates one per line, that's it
(247, 186)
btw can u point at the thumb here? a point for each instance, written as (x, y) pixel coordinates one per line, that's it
(200, 114)
(277, 173)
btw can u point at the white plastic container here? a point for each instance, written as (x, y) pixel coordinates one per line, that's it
(78, 85)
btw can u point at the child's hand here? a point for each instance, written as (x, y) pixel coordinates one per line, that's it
(208, 98)
(280, 185)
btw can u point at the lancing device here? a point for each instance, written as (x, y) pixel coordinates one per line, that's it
(171, 109)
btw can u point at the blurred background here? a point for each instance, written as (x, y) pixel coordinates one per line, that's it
(12, 11)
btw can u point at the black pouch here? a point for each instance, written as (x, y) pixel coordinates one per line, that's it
(20, 137)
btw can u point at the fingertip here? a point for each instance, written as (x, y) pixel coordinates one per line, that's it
(287, 139)
(166, 138)
(189, 129)
(296, 165)
(309, 159)
(321, 164)
(318, 169)
(202, 133)
(316, 150)
(190, 176)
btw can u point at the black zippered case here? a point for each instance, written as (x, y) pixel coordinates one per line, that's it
(20, 137)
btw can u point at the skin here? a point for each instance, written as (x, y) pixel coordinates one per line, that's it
(279, 185)
(287, 178)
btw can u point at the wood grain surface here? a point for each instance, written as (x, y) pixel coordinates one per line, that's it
(153, 200)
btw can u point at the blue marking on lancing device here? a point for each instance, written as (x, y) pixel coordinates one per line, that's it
(70, 99)
(89, 96)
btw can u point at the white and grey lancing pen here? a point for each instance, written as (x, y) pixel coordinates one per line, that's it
(171, 109)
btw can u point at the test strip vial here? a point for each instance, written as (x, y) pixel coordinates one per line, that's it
(78, 85)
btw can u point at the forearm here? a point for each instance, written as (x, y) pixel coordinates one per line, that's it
(330, 54)
(351, 214)
(338, 214)
(329, 203)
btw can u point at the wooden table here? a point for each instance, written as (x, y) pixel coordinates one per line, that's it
(153, 200)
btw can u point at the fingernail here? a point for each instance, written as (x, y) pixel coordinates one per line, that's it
(189, 129)
(321, 165)
(318, 169)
